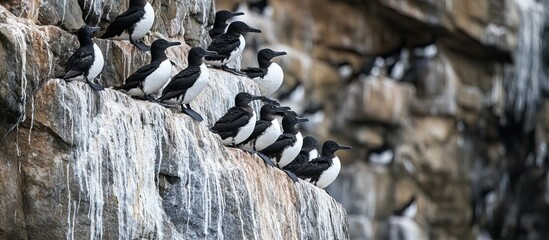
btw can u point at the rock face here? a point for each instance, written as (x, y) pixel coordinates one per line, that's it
(79, 164)
(467, 127)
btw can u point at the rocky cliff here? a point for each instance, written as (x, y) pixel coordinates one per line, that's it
(467, 130)
(79, 164)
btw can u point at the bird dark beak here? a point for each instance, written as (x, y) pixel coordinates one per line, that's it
(234, 14)
(300, 120)
(210, 53)
(174, 44)
(283, 109)
(257, 98)
(95, 29)
(279, 54)
(343, 147)
(251, 29)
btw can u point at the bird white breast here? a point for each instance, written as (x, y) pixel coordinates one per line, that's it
(141, 27)
(410, 211)
(158, 78)
(243, 133)
(144, 25)
(269, 136)
(236, 55)
(313, 154)
(97, 64)
(272, 80)
(330, 174)
(398, 71)
(382, 158)
(290, 152)
(198, 85)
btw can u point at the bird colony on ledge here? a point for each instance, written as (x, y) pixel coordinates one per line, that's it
(274, 137)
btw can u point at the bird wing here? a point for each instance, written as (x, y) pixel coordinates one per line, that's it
(139, 76)
(124, 21)
(180, 83)
(260, 127)
(255, 72)
(312, 168)
(223, 45)
(235, 118)
(78, 63)
(298, 161)
(282, 142)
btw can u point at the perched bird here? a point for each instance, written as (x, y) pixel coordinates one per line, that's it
(220, 22)
(150, 78)
(229, 46)
(269, 75)
(308, 152)
(382, 155)
(187, 84)
(293, 97)
(261, 7)
(397, 70)
(266, 130)
(402, 224)
(239, 121)
(87, 61)
(133, 24)
(409, 209)
(288, 145)
(323, 170)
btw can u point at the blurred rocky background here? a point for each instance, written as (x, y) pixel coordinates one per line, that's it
(465, 129)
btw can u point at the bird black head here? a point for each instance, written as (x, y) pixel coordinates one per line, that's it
(243, 99)
(289, 122)
(268, 111)
(224, 15)
(85, 34)
(140, 3)
(197, 53)
(240, 28)
(270, 101)
(268, 54)
(309, 143)
(265, 55)
(330, 147)
(158, 47)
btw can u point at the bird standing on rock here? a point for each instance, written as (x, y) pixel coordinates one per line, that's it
(238, 123)
(87, 61)
(269, 75)
(152, 77)
(308, 152)
(220, 22)
(229, 46)
(187, 84)
(266, 131)
(133, 24)
(323, 170)
(288, 145)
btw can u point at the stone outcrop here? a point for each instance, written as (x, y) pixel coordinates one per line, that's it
(80, 164)
(455, 127)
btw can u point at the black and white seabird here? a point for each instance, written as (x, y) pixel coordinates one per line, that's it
(152, 77)
(220, 22)
(229, 46)
(382, 155)
(408, 210)
(266, 130)
(87, 61)
(269, 75)
(323, 170)
(133, 24)
(187, 84)
(308, 152)
(288, 145)
(402, 224)
(238, 123)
